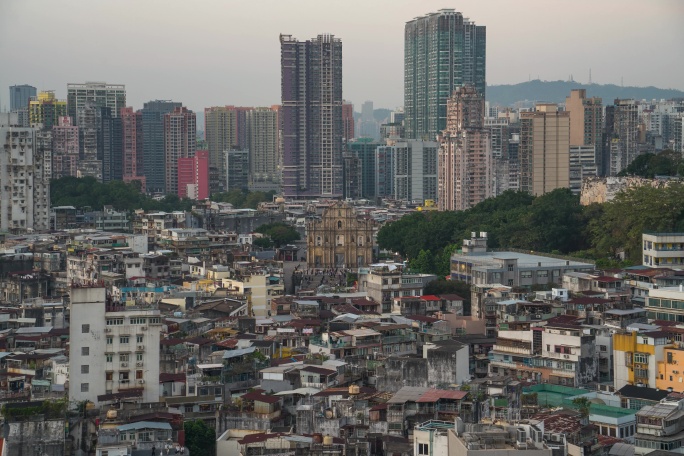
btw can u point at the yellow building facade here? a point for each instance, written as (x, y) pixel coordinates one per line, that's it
(46, 109)
(637, 358)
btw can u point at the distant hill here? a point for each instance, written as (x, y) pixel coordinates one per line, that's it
(556, 91)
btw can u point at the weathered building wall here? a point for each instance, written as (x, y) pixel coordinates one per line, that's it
(35, 438)
(603, 189)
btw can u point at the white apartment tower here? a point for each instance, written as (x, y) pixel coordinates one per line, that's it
(103, 95)
(24, 185)
(114, 349)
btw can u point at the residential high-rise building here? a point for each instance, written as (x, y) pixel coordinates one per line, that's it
(20, 95)
(45, 109)
(415, 170)
(347, 120)
(624, 145)
(442, 51)
(311, 114)
(465, 156)
(25, 195)
(586, 123)
(351, 176)
(132, 146)
(237, 169)
(101, 94)
(89, 125)
(193, 176)
(384, 172)
(114, 348)
(544, 150)
(221, 134)
(582, 165)
(65, 148)
(110, 145)
(180, 141)
(154, 159)
(364, 150)
(264, 152)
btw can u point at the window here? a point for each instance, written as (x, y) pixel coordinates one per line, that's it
(123, 339)
(109, 340)
(138, 356)
(123, 377)
(85, 387)
(115, 321)
(510, 268)
(85, 351)
(139, 339)
(109, 376)
(525, 274)
(138, 374)
(641, 358)
(123, 357)
(85, 329)
(603, 348)
(109, 357)
(85, 369)
(542, 273)
(423, 448)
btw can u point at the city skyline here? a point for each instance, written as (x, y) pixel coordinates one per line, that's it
(373, 37)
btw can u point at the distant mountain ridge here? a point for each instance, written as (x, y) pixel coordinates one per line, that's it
(556, 91)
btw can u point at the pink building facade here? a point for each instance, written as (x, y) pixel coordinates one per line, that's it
(65, 148)
(132, 140)
(193, 176)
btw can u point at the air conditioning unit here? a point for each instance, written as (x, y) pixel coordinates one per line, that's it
(566, 356)
(124, 364)
(141, 347)
(144, 328)
(675, 372)
(141, 381)
(139, 364)
(108, 330)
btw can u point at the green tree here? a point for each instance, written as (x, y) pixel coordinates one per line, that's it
(280, 233)
(424, 262)
(199, 438)
(665, 163)
(583, 406)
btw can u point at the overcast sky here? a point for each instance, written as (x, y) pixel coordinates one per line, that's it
(207, 52)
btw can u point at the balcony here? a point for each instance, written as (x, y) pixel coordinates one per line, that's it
(516, 350)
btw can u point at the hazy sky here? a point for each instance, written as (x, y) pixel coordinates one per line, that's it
(208, 52)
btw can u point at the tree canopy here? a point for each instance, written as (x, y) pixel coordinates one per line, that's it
(665, 163)
(123, 196)
(280, 233)
(199, 438)
(553, 223)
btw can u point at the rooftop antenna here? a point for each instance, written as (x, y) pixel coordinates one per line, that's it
(589, 76)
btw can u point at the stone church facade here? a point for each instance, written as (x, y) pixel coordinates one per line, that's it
(341, 238)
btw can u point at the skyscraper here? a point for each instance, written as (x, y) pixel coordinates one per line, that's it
(364, 150)
(25, 197)
(624, 145)
(442, 51)
(65, 148)
(312, 128)
(103, 95)
(20, 95)
(465, 156)
(586, 122)
(348, 120)
(263, 146)
(415, 170)
(220, 132)
(132, 145)
(180, 141)
(110, 145)
(154, 161)
(45, 109)
(544, 149)
(90, 163)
